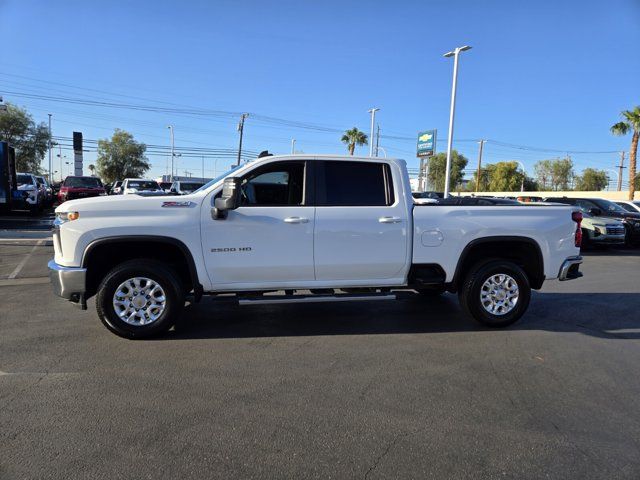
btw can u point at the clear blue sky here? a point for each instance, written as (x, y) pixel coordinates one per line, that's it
(548, 74)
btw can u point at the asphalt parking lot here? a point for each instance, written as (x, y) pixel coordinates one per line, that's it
(406, 389)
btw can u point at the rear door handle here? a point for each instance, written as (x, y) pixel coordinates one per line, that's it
(296, 220)
(389, 219)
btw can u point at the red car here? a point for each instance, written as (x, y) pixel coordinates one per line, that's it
(80, 187)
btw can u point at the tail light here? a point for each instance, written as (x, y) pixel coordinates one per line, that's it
(577, 217)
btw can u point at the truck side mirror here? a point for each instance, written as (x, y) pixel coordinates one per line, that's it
(229, 200)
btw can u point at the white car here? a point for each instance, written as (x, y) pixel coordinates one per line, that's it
(30, 195)
(340, 227)
(630, 206)
(141, 186)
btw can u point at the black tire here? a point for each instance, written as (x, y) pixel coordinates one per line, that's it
(469, 293)
(431, 291)
(163, 275)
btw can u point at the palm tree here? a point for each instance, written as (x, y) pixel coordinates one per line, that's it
(631, 123)
(354, 137)
(92, 169)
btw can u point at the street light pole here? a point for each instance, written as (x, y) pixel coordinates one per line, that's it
(373, 120)
(524, 175)
(479, 166)
(241, 130)
(50, 153)
(170, 127)
(455, 53)
(293, 146)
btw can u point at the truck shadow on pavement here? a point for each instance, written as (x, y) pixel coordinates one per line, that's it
(604, 315)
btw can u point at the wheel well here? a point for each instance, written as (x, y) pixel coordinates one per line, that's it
(523, 252)
(100, 258)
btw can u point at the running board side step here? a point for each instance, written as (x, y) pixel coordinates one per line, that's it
(275, 299)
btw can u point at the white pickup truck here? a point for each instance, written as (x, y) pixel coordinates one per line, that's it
(302, 229)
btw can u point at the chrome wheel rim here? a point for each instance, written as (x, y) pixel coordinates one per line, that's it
(499, 294)
(139, 301)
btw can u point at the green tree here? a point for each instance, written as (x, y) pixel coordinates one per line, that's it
(438, 166)
(592, 180)
(121, 157)
(30, 140)
(631, 123)
(505, 177)
(554, 174)
(354, 137)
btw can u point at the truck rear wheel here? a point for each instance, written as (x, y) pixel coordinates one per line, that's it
(140, 299)
(495, 293)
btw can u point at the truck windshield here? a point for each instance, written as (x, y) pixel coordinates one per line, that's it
(24, 180)
(609, 206)
(144, 185)
(82, 182)
(218, 178)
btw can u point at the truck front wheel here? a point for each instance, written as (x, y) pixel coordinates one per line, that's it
(495, 293)
(140, 299)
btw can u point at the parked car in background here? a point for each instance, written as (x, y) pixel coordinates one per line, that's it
(529, 199)
(116, 188)
(181, 187)
(48, 190)
(601, 230)
(166, 186)
(630, 206)
(75, 187)
(29, 195)
(600, 207)
(141, 186)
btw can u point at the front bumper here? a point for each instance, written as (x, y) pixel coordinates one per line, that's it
(68, 282)
(570, 269)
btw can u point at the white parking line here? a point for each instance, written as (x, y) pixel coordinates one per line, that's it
(17, 270)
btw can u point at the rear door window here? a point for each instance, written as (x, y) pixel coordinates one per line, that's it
(355, 184)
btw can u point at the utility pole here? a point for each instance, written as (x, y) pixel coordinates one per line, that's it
(50, 153)
(377, 140)
(373, 120)
(60, 155)
(455, 54)
(479, 165)
(203, 167)
(241, 130)
(293, 146)
(620, 167)
(173, 153)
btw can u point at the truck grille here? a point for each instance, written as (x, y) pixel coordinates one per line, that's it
(615, 230)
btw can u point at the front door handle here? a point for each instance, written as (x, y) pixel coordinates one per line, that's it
(296, 220)
(389, 219)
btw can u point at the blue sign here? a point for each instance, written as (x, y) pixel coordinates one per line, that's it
(427, 143)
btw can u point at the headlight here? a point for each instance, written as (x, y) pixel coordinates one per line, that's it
(63, 217)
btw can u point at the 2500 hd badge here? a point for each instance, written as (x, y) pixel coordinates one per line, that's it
(230, 249)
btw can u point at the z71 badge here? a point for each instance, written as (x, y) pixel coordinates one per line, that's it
(230, 249)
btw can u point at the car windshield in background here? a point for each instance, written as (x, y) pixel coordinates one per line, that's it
(82, 182)
(165, 185)
(218, 178)
(608, 206)
(24, 180)
(189, 187)
(144, 185)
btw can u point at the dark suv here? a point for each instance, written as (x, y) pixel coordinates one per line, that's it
(601, 207)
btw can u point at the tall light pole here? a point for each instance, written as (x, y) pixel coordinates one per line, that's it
(373, 120)
(293, 146)
(50, 153)
(479, 165)
(524, 175)
(241, 130)
(455, 53)
(170, 127)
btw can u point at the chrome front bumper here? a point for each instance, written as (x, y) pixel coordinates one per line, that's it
(570, 269)
(68, 282)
